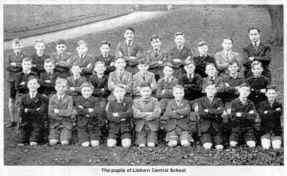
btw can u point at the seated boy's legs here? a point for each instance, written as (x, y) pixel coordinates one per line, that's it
(11, 106)
(141, 138)
(83, 135)
(114, 130)
(276, 142)
(125, 134)
(185, 138)
(95, 134)
(218, 140)
(66, 134)
(206, 140)
(249, 137)
(172, 138)
(234, 136)
(24, 132)
(35, 132)
(266, 141)
(151, 138)
(54, 134)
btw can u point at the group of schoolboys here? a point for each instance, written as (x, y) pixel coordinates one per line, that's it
(136, 95)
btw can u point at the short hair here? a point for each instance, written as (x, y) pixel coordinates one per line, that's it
(256, 63)
(201, 43)
(178, 86)
(209, 85)
(210, 63)
(27, 59)
(179, 33)
(234, 61)
(31, 77)
(118, 58)
(61, 80)
(98, 62)
(142, 85)
(168, 64)
(228, 38)
(154, 37)
(87, 84)
(82, 42)
(244, 85)
(39, 41)
(254, 28)
(16, 41)
(143, 61)
(119, 86)
(189, 61)
(104, 42)
(49, 60)
(271, 87)
(61, 41)
(130, 29)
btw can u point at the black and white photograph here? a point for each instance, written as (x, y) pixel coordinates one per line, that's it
(143, 84)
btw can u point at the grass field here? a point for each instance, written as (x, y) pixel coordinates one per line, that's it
(210, 23)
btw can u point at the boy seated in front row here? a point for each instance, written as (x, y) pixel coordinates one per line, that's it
(165, 85)
(120, 77)
(270, 112)
(146, 111)
(258, 83)
(33, 107)
(243, 116)
(210, 109)
(191, 81)
(89, 115)
(75, 81)
(119, 114)
(143, 76)
(60, 114)
(48, 78)
(177, 115)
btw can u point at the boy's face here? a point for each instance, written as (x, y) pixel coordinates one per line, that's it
(189, 68)
(142, 67)
(254, 35)
(156, 43)
(33, 85)
(82, 49)
(119, 93)
(26, 65)
(271, 94)
(227, 44)
(145, 92)
(210, 90)
(244, 92)
(61, 48)
(167, 71)
(61, 87)
(202, 49)
(86, 92)
(49, 66)
(179, 40)
(100, 67)
(120, 64)
(40, 46)
(210, 70)
(233, 68)
(178, 93)
(17, 47)
(129, 35)
(105, 48)
(257, 70)
(76, 70)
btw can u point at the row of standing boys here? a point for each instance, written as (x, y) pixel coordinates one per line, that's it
(173, 96)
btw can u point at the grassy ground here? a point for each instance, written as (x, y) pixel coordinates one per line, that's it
(210, 23)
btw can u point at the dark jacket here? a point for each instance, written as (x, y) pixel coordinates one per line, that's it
(107, 60)
(47, 82)
(21, 81)
(200, 64)
(192, 86)
(100, 85)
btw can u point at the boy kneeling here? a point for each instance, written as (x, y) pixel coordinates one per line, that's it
(33, 107)
(177, 115)
(210, 109)
(119, 113)
(146, 111)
